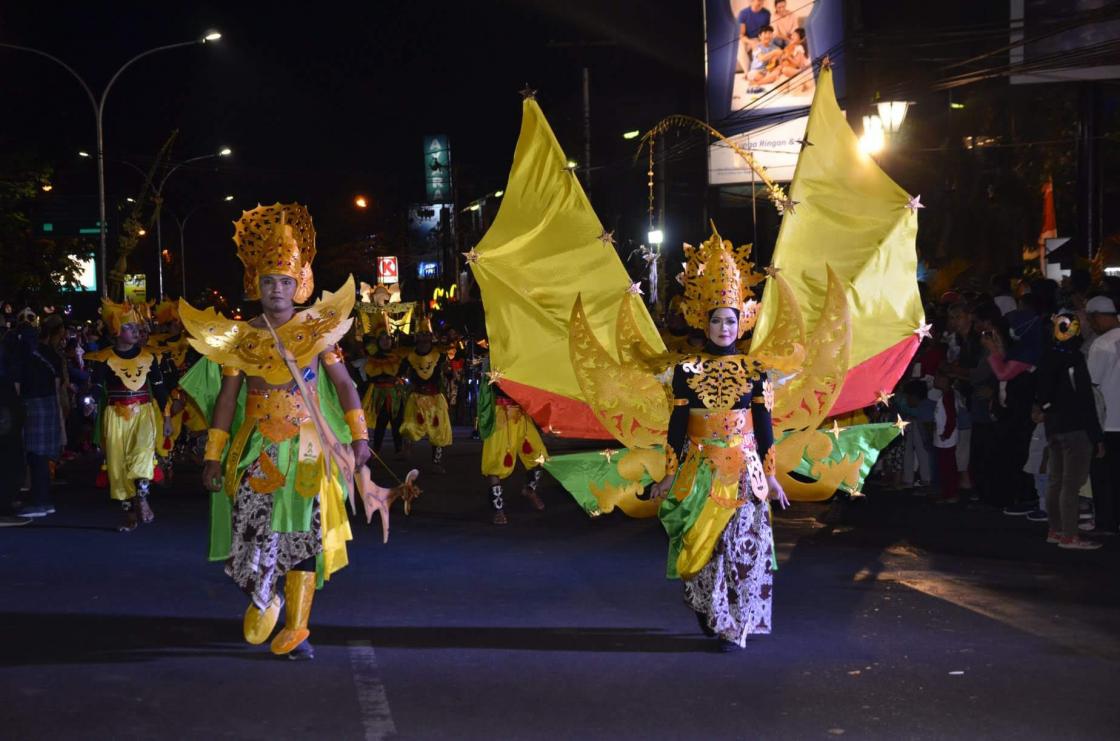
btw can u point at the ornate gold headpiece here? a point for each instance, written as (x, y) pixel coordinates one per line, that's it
(719, 276)
(276, 240)
(166, 311)
(117, 315)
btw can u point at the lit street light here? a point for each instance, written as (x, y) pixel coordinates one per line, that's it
(632, 134)
(361, 202)
(99, 114)
(83, 154)
(655, 236)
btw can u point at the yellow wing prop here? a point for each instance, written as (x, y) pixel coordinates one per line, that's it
(252, 350)
(803, 402)
(625, 397)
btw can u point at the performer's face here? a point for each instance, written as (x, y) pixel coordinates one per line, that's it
(723, 327)
(385, 342)
(129, 334)
(277, 292)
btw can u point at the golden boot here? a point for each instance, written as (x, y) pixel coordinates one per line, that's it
(299, 589)
(257, 625)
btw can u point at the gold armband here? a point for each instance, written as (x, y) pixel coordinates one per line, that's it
(332, 356)
(356, 420)
(215, 444)
(770, 463)
(671, 462)
(229, 371)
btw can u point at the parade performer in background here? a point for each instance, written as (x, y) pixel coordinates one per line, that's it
(171, 345)
(383, 402)
(129, 385)
(508, 433)
(425, 411)
(277, 510)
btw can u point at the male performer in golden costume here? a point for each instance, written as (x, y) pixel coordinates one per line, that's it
(383, 402)
(426, 413)
(273, 454)
(128, 380)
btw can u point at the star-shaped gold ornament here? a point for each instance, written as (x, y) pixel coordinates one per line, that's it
(608, 454)
(772, 270)
(914, 204)
(836, 429)
(901, 424)
(528, 93)
(494, 376)
(789, 205)
(883, 397)
(635, 289)
(541, 459)
(472, 256)
(607, 238)
(924, 331)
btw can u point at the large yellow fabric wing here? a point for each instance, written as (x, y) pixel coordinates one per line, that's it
(252, 350)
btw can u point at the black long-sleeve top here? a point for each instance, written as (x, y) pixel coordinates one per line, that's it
(105, 380)
(754, 398)
(1064, 391)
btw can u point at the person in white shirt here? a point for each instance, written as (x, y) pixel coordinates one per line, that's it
(1104, 370)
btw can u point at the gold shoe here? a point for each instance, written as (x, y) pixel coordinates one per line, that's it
(257, 626)
(299, 589)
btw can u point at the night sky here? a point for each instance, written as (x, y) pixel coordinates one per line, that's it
(321, 101)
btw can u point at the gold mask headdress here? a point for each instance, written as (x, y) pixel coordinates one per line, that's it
(719, 276)
(117, 315)
(276, 240)
(166, 311)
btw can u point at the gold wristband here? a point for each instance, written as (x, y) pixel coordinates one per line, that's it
(356, 420)
(671, 462)
(215, 444)
(770, 463)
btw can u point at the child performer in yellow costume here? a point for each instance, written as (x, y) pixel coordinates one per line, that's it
(383, 402)
(277, 509)
(508, 433)
(425, 412)
(128, 380)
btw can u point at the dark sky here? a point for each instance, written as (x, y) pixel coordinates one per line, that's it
(324, 100)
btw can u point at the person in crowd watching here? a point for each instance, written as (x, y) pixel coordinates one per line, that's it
(1104, 370)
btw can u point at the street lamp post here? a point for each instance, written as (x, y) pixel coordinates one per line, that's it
(98, 111)
(182, 241)
(224, 152)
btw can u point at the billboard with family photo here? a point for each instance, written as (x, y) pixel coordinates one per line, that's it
(761, 76)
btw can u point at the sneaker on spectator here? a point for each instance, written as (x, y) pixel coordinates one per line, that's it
(1053, 537)
(10, 521)
(1037, 515)
(1087, 525)
(30, 510)
(1078, 544)
(1018, 510)
(1098, 531)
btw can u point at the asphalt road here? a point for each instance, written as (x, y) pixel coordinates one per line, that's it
(893, 618)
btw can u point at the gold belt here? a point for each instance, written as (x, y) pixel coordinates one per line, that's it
(729, 426)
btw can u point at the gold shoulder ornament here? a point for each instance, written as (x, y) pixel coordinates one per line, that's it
(250, 349)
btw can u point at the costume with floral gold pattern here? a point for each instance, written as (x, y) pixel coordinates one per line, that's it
(280, 512)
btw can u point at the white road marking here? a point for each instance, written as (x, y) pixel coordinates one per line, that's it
(377, 718)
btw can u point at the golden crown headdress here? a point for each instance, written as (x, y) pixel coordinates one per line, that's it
(276, 240)
(166, 311)
(719, 276)
(117, 315)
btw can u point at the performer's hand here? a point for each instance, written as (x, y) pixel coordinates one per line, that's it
(777, 493)
(212, 475)
(361, 452)
(660, 490)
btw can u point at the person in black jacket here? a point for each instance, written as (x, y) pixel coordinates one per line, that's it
(1064, 395)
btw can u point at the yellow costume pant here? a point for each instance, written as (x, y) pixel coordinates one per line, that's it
(425, 415)
(128, 435)
(515, 436)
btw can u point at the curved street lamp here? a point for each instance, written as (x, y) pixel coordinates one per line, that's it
(182, 238)
(98, 112)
